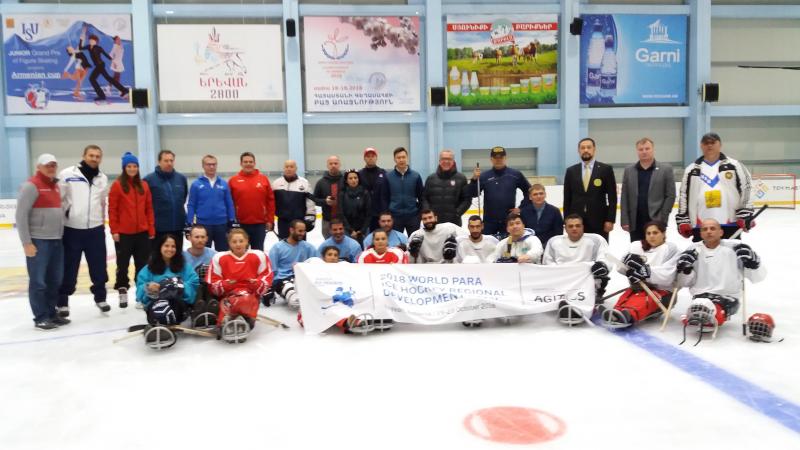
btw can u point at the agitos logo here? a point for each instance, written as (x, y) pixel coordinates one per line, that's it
(573, 295)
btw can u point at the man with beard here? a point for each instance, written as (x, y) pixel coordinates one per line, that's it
(283, 256)
(590, 190)
(434, 242)
(347, 246)
(477, 247)
(386, 223)
(373, 178)
(326, 193)
(445, 191)
(293, 200)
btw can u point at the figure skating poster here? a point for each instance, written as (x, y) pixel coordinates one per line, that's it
(63, 64)
(361, 63)
(633, 59)
(220, 62)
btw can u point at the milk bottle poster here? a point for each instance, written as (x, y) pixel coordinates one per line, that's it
(361, 63)
(502, 61)
(67, 63)
(218, 62)
(630, 59)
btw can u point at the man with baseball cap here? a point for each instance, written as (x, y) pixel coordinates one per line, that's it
(714, 187)
(499, 186)
(40, 224)
(373, 179)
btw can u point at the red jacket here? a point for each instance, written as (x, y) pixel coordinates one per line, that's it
(252, 198)
(131, 213)
(228, 273)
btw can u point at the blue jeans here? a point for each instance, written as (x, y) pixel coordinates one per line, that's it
(45, 271)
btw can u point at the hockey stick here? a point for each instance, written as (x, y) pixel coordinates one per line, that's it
(129, 335)
(744, 296)
(192, 331)
(478, 166)
(672, 300)
(613, 294)
(642, 284)
(271, 321)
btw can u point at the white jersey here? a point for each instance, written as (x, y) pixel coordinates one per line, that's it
(714, 191)
(661, 259)
(528, 245)
(482, 250)
(589, 248)
(718, 271)
(433, 242)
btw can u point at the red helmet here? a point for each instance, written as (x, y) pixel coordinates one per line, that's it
(761, 325)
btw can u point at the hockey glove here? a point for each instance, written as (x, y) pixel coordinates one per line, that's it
(684, 225)
(187, 231)
(449, 249)
(507, 259)
(599, 270)
(633, 261)
(637, 275)
(234, 224)
(747, 256)
(414, 245)
(744, 219)
(686, 261)
(310, 222)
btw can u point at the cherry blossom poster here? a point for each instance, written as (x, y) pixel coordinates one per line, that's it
(361, 64)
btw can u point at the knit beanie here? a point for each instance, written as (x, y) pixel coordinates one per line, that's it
(129, 158)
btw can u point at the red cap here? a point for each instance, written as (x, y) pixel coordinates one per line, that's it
(370, 150)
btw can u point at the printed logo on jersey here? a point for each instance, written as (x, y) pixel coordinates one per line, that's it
(711, 182)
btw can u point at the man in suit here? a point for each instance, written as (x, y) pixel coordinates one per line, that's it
(648, 191)
(542, 217)
(590, 190)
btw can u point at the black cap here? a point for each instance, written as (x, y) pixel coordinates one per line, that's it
(497, 151)
(710, 137)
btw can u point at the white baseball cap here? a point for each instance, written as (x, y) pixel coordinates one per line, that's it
(45, 159)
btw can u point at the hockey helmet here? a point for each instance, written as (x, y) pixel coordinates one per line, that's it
(761, 326)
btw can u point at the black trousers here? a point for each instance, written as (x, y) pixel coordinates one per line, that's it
(131, 245)
(98, 71)
(409, 224)
(92, 244)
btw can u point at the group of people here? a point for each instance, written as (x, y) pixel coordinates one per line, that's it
(371, 215)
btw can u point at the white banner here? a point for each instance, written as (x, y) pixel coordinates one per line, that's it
(220, 62)
(436, 294)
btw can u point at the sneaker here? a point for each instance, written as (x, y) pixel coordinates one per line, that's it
(104, 307)
(123, 297)
(63, 311)
(60, 321)
(139, 305)
(45, 325)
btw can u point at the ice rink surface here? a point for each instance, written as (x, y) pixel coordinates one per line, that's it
(412, 387)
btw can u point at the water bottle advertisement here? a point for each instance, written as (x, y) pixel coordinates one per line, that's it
(633, 59)
(502, 62)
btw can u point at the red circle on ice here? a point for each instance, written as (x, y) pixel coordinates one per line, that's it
(514, 425)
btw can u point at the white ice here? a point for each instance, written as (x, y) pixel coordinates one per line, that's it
(409, 388)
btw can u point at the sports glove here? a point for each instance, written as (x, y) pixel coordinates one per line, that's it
(684, 225)
(599, 270)
(744, 219)
(449, 249)
(234, 224)
(686, 261)
(310, 222)
(633, 261)
(637, 275)
(414, 245)
(507, 259)
(747, 256)
(187, 231)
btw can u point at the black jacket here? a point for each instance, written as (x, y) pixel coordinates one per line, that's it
(446, 194)
(374, 181)
(328, 185)
(596, 205)
(354, 208)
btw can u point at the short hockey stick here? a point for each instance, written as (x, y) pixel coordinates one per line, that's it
(271, 321)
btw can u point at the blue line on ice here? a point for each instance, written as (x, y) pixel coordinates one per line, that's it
(745, 392)
(59, 337)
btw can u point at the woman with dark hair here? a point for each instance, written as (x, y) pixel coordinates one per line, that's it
(130, 216)
(355, 205)
(165, 262)
(651, 261)
(380, 252)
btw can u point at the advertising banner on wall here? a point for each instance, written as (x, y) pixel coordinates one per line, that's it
(361, 63)
(629, 59)
(502, 61)
(220, 62)
(56, 64)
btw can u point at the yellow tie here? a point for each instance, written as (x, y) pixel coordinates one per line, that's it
(587, 174)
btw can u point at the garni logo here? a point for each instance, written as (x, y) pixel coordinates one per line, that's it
(333, 47)
(659, 34)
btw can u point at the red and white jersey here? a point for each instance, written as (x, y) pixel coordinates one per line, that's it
(393, 255)
(227, 273)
